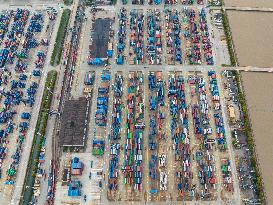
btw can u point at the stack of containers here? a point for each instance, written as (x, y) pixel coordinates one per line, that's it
(4, 23)
(74, 188)
(172, 2)
(137, 2)
(187, 2)
(180, 134)
(35, 26)
(102, 100)
(89, 78)
(138, 137)
(206, 172)
(153, 171)
(13, 36)
(115, 133)
(40, 60)
(130, 121)
(51, 183)
(202, 130)
(160, 128)
(218, 117)
(98, 146)
(3, 57)
(205, 38)
(136, 50)
(156, 2)
(23, 127)
(76, 166)
(31, 91)
(154, 47)
(192, 32)
(173, 41)
(226, 174)
(121, 36)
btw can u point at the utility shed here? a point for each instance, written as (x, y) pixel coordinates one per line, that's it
(231, 113)
(74, 123)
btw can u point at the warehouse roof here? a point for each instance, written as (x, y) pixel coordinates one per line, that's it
(100, 38)
(74, 122)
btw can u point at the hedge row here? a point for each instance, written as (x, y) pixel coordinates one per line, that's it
(57, 51)
(250, 141)
(68, 2)
(232, 56)
(39, 133)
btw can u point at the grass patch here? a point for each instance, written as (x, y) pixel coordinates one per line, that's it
(58, 46)
(233, 61)
(68, 2)
(250, 141)
(38, 138)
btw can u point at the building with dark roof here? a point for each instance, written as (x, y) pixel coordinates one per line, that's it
(100, 39)
(74, 123)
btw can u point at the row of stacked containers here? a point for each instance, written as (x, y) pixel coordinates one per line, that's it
(133, 149)
(15, 96)
(154, 41)
(218, 117)
(136, 49)
(5, 19)
(180, 135)
(190, 24)
(179, 126)
(173, 41)
(121, 35)
(115, 133)
(202, 130)
(220, 131)
(98, 145)
(14, 37)
(156, 137)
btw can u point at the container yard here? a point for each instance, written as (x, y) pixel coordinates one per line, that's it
(158, 177)
(25, 35)
(133, 148)
(185, 150)
(137, 113)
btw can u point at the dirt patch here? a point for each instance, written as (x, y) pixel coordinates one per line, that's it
(258, 89)
(250, 3)
(252, 36)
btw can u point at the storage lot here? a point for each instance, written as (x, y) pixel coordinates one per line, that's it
(154, 134)
(24, 44)
(144, 124)
(164, 138)
(182, 34)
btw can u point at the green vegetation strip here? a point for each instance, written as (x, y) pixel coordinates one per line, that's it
(231, 52)
(38, 138)
(250, 141)
(68, 2)
(57, 51)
